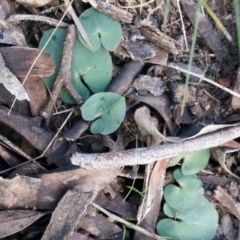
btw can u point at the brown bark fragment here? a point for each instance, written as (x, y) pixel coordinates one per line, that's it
(26, 127)
(37, 93)
(228, 202)
(160, 39)
(54, 185)
(67, 214)
(20, 59)
(155, 192)
(20, 191)
(43, 193)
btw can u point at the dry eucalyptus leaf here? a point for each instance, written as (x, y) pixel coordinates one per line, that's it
(34, 3)
(11, 83)
(203, 131)
(146, 126)
(13, 221)
(219, 154)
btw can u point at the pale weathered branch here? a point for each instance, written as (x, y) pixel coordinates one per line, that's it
(148, 155)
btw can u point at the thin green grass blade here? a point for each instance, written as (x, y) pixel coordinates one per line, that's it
(216, 20)
(237, 12)
(194, 39)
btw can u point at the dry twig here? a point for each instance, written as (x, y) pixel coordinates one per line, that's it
(78, 23)
(37, 18)
(64, 75)
(149, 155)
(112, 11)
(135, 227)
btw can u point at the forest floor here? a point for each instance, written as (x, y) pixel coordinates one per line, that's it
(63, 179)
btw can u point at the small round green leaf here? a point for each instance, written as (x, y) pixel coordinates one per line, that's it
(101, 29)
(195, 162)
(109, 109)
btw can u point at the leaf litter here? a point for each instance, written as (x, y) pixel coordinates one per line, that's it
(43, 141)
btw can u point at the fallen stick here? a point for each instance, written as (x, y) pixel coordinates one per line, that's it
(152, 154)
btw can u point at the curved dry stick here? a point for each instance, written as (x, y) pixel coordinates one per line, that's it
(79, 25)
(149, 155)
(124, 79)
(37, 18)
(64, 74)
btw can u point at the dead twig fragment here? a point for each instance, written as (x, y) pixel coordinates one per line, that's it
(37, 18)
(148, 155)
(160, 39)
(64, 75)
(112, 11)
(13, 147)
(124, 79)
(34, 3)
(129, 224)
(19, 60)
(228, 202)
(76, 20)
(27, 127)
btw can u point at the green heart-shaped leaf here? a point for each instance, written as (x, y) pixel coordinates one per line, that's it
(194, 224)
(91, 69)
(101, 29)
(94, 68)
(190, 190)
(193, 162)
(109, 109)
(194, 217)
